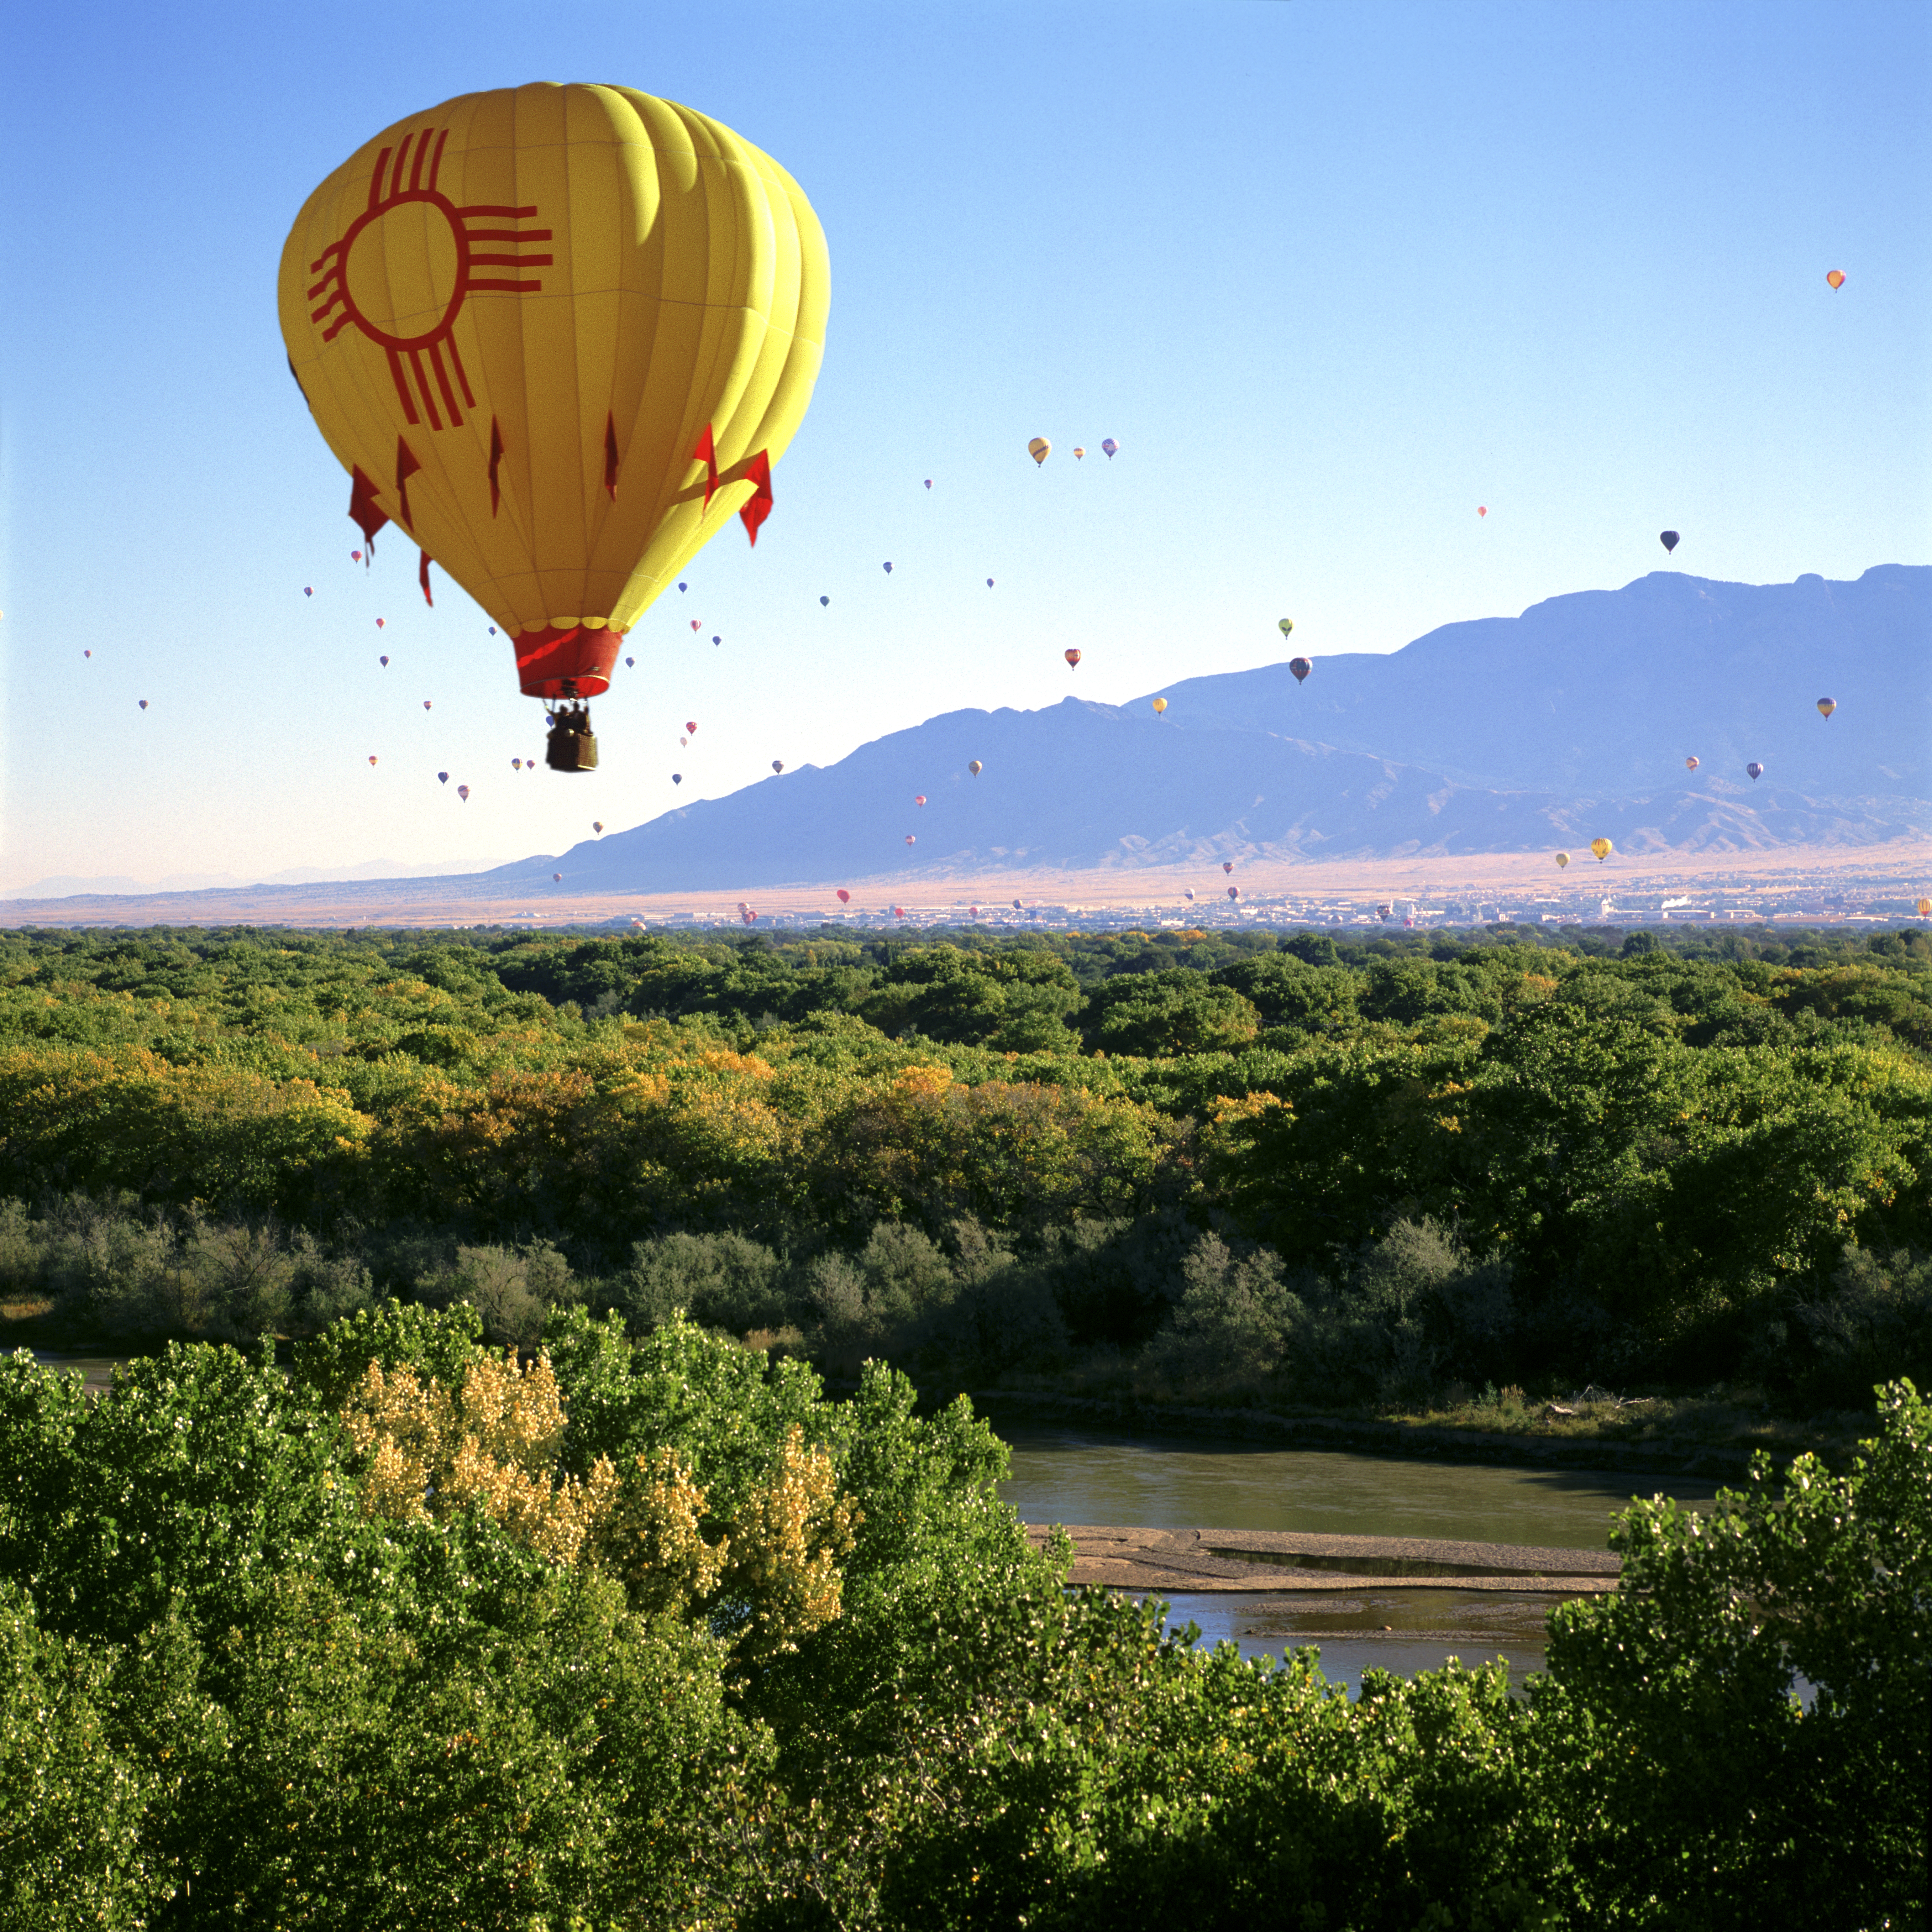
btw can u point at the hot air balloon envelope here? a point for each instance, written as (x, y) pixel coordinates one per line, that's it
(308, 590)
(1301, 666)
(1286, 626)
(825, 601)
(1227, 865)
(557, 878)
(1826, 705)
(1603, 848)
(912, 838)
(888, 570)
(975, 768)
(1690, 764)
(918, 798)
(677, 778)
(691, 725)
(1040, 449)
(778, 764)
(443, 777)
(1482, 509)
(1562, 860)
(1159, 706)
(597, 825)
(463, 793)
(1109, 447)
(845, 897)
(1233, 892)
(516, 764)
(1071, 657)
(1836, 276)
(1077, 452)
(1755, 769)
(372, 760)
(1925, 908)
(1668, 539)
(560, 334)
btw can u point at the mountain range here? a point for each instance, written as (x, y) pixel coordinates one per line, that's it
(1506, 734)
(1571, 722)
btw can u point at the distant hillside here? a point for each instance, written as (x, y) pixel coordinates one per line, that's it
(1507, 735)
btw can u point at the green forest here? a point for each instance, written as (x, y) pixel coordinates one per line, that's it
(1190, 1165)
(537, 1496)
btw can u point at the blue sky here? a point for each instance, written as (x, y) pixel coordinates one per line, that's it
(1333, 274)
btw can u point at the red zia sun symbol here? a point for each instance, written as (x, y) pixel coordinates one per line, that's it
(401, 277)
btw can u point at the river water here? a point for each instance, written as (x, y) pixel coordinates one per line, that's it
(1084, 1476)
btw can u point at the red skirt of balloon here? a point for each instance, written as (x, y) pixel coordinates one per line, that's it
(548, 659)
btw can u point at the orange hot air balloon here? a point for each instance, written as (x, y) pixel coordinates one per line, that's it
(1836, 276)
(1071, 657)
(1159, 706)
(845, 897)
(560, 334)
(1603, 848)
(1482, 509)
(1077, 452)
(1690, 764)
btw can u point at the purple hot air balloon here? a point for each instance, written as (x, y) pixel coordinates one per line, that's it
(684, 586)
(630, 663)
(677, 778)
(144, 704)
(824, 601)
(989, 583)
(384, 662)
(1668, 539)
(1109, 445)
(928, 482)
(888, 570)
(443, 777)
(463, 793)
(1233, 892)
(778, 764)
(308, 590)
(1755, 769)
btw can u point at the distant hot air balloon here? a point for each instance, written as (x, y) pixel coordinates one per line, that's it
(463, 793)
(778, 764)
(1603, 848)
(1301, 666)
(144, 704)
(1836, 276)
(845, 897)
(975, 768)
(1040, 449)
(1826, 705)
(384, 662)
(677, 778)
(898, 912)
(516, 764)
(1925, 908)
(1159, 706)
(918, 798)
(888, 570)
(493, 630)
(1562, 860)
(1016, 905)
(912, 838)
(1227, 865)
(427, 704)
(684, 744)
(695, 621)
(717, 640)
(443, 777)
(928, 482)
(629, 663)
(308, 590)
(972, 912)
(1233, 892)
(691, 725)
(1755, 769)
(372, 757)
(1077, 452)
(684, 586)
(1668, 539)
(557, 878)
(1071, 657)
(1482, 509)
(824, 601)
(1188, 895)
(1690, 764)
(597, 826)
(87, 654)
(989, 583)
(1109, 448)
(1286, 626)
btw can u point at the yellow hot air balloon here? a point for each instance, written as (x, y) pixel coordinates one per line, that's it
(1562, 860)
(559, 334)
(1603, 848)
(1040, 449)
(1286, 626)
(1925, 908)
(1826, 705)
(1159, 706)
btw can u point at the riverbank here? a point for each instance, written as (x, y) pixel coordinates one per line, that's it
(1711, 1436)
